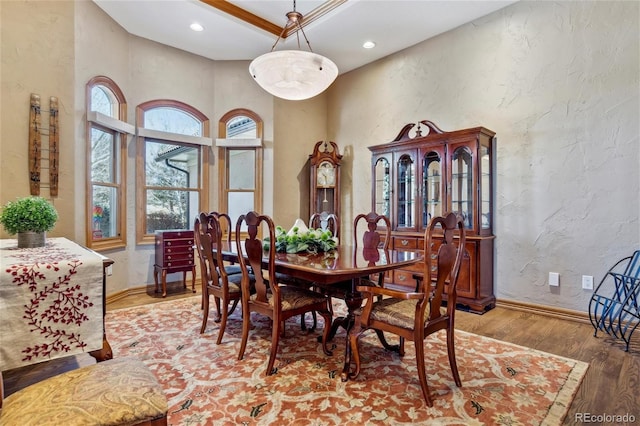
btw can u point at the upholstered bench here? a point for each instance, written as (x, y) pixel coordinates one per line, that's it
(120, 391)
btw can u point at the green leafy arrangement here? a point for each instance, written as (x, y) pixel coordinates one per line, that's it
(301, 240)
(29, 214)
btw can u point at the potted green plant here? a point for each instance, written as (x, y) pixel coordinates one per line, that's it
(30, 218)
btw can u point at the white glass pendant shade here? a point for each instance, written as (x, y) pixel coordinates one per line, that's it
(293, 74)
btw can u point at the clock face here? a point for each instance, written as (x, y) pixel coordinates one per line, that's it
(326, 175)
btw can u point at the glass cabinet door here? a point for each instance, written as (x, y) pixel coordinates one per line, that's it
(405, 192)
(431, 187)
(485, 186)
(382, 184)
(462, 184)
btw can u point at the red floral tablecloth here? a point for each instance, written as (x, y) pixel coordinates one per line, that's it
(50, 302)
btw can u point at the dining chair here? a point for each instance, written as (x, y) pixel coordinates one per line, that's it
(366, 229)
(330, 220)
(216, 282)
(226, 227)
(276, 301)
(415, 315)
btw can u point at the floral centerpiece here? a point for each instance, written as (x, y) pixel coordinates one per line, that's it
(300, 239)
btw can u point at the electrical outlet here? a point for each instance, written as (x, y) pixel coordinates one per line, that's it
(554, 279)
(587, 282)
(109, 270)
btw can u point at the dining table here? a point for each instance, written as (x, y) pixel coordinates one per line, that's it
(335, 267)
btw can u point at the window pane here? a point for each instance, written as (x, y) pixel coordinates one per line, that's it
(241, 127)
(242, 167)
(103, 101)
(105, 208)
(170, 209)
(239, 203)
(172, 120)
(102, 156)
(171, 165)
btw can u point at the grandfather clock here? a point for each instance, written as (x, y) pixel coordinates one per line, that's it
(325, 179)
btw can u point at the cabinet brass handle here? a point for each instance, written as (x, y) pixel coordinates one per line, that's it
(434, 268)
(402, 278)
(168, 243)
(404, 242)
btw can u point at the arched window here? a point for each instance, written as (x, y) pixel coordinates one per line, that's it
(107, 132)
(240, 166)
(172, 151)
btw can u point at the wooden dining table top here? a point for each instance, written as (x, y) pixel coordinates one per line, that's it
(343, 263)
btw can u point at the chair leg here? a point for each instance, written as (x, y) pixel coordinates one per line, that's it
(205, 311)
(422, 374)
(325, 332)
(452, 357)
(223, 322)
(275, 338)
(246, 323)
(353, 336)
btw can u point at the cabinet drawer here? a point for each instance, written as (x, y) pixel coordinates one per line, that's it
(170, 235)
(188, 243)
(404, 278)
(187, 249)
(408, 243)
(172, 264)
(168, 257)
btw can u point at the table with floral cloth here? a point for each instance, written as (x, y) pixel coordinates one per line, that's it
(51, 302)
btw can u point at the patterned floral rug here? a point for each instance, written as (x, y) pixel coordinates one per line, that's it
(502, 383)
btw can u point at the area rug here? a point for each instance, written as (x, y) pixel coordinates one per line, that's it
(205, 383)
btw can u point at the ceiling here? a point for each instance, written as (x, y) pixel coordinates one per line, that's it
(336, 28)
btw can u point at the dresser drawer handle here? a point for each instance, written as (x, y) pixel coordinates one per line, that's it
(402, 278)
(168, 243)
(168, 264)
(168, 257)
(434, 256)
(404, 242)
(432, 244)
(434, 268)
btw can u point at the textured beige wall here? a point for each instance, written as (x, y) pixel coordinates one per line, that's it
(37, 56)
(559, 83)
(298, 126)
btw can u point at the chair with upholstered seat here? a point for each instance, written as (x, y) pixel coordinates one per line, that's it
(416, 315)
(216, 282)
(120, 391)
(276, 301)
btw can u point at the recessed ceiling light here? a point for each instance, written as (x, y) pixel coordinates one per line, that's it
(196, 27)
(369, 45)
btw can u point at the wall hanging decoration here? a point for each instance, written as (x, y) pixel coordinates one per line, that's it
(36, 148)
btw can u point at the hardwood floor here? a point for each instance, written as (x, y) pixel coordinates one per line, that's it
(611, 386)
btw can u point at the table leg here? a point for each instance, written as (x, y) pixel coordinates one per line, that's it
(193, 279)
(105, 353)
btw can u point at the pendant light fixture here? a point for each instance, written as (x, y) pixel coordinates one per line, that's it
(293, 74)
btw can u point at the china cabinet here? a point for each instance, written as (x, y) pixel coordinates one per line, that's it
(325, 179)
(427, 172)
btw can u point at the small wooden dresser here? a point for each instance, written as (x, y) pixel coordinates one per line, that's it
(174, 253)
